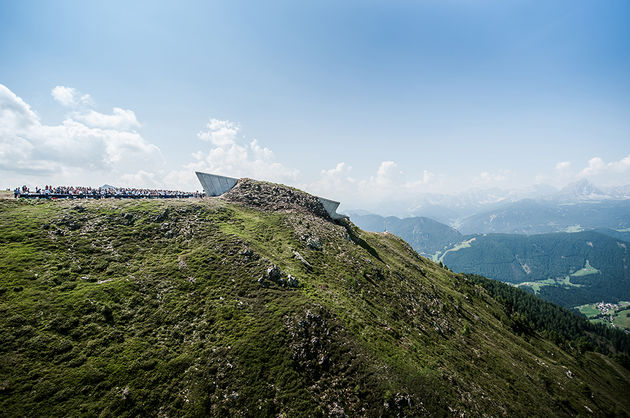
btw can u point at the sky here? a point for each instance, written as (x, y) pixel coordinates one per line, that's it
(358, 101)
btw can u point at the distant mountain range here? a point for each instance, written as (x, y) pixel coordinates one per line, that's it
(536, 217)
(425, 235)
(587, 265)
(454, 209)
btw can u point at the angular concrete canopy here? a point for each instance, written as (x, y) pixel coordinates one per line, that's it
(214, 185)
(331, 207)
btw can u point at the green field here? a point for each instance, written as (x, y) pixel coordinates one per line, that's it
(586, 270)
(557, 281)
(457, 247)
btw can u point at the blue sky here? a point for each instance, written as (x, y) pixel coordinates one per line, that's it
(348, 98)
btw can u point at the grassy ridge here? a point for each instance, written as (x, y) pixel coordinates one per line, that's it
(154, 307)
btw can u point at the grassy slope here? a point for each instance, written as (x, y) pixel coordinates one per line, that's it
(145, 307)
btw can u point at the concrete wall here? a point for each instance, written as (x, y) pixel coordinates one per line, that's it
(331, 207)
(214, 185)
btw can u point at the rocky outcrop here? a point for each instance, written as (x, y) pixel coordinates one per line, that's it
(275, 197)
(277, 276)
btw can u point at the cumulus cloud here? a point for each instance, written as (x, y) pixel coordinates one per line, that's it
(28, 147)
(595, 165)
(388, 184)
(70, 97)
(387, 174)
(598, 168)
(232, 155)
(621, 166)
(120, 119)
(220, 132)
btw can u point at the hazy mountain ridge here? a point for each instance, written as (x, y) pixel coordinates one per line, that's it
(453, 209)
(506, 257)
(216, 308)
(425, 235)
(537, 217)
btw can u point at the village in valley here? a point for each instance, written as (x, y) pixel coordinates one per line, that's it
(614, 314)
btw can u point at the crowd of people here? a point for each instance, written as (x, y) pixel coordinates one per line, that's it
(78, 192)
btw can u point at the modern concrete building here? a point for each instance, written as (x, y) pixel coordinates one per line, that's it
(331, 207)
(214, 185)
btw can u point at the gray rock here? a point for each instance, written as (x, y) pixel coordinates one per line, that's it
(292, 281)
(301, 259)
(274, 273)
(314, 243)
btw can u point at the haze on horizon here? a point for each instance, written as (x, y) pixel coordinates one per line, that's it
(358, 102)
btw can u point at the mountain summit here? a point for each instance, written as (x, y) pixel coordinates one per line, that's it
(579, 191)
(257, 304)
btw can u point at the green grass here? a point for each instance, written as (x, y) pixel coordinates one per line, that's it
(588, 310)
(457, 247)
(557, 281)
(154, 308)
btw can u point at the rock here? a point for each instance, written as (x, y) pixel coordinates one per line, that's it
(160, 217)
(274, 273)
(275, 197)
(301, 259)
(246, 252)
(336, 410)
(292, 281)
(314, 243)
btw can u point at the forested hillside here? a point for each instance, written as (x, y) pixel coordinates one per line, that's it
(569, 269)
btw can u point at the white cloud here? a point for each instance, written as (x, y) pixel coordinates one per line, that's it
(563, 165)
(486, 178)
(621, 166)
(606, 173)
(70, 97)
(388, 184)
(142, 179)
(120, 119)
(387, 173)
(220, 132)
(595, 165)
(232, 155)
(51, 153)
